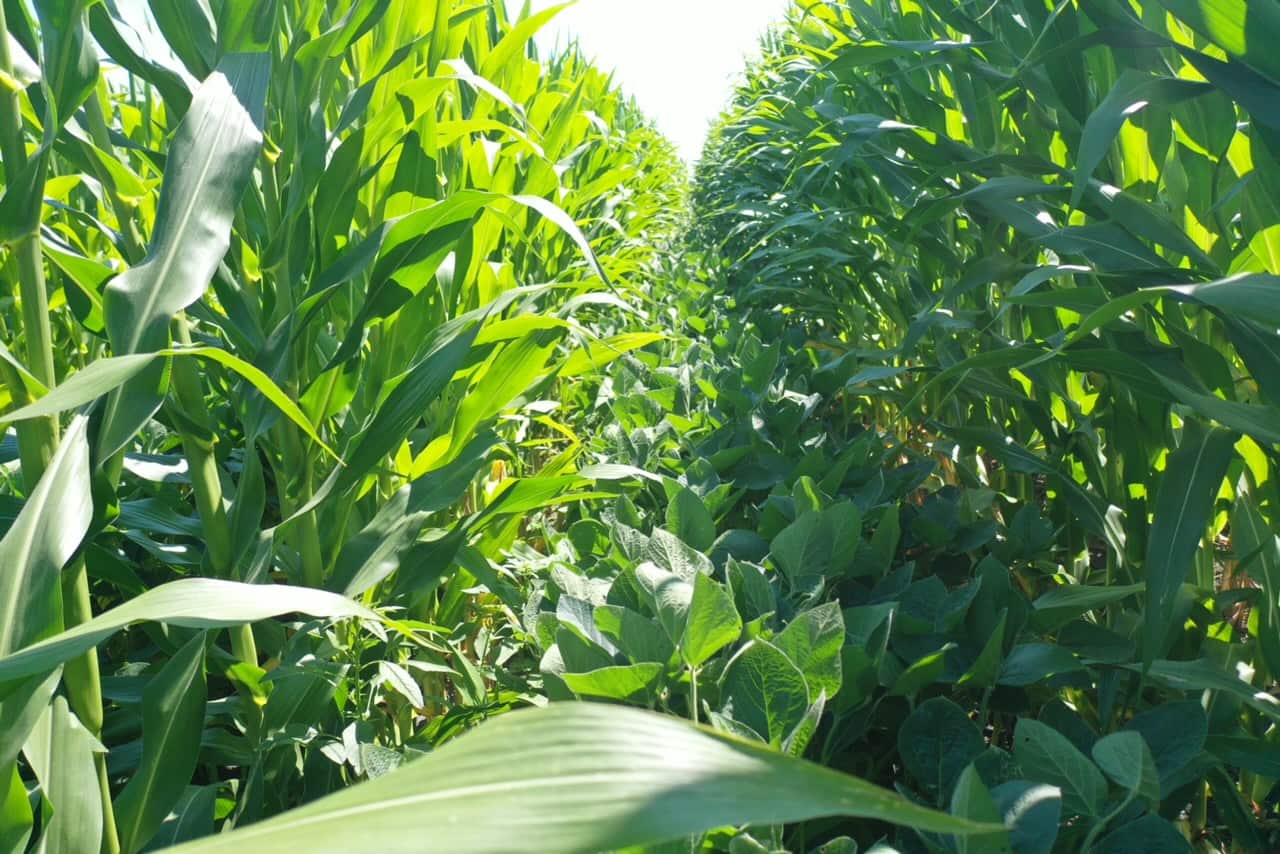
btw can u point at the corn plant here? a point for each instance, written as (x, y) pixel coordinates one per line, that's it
(289, 287)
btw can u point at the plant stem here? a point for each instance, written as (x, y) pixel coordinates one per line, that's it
(1107, 819)
(693, 694)
(135, 246)
(37, 437)
(205, 479)
(84, 688)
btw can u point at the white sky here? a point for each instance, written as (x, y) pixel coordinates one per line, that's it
(678, 58)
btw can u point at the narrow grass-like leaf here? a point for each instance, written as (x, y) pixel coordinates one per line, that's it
(42, 539)
(1184, 504)
(208, 168)
(173, 705)
(103, 376)
(577, 777)
(197, 603)
(61, 752)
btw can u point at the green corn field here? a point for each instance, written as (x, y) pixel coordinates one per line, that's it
(402, 449)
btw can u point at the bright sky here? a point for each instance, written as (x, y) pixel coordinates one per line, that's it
(679, 58)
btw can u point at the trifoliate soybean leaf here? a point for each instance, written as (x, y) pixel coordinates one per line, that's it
(1046, 756)
(813, 642)
(937, 742)
(1029, 663)
(689, 519)
(1174, 731)
(1149, 834)
(617, 682)
(921, 674)
(884, 545)
(802, 551)
(1126, 759)
(638, 637)
(986, 667)
(1096, 642)
(579, 654)
(669, 596)
(712, 622)
(672, 554)
(1032, 812)
(762, 690)
(972, 799)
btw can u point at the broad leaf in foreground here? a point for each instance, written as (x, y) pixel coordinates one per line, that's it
(576, 777)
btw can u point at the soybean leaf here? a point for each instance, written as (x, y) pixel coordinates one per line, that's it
(1149, 834)
(699, 616)
(972, 799)
(1029, 663)
(712, 622)
(1175, 732)
(1047, 756)
(763, 691)
(625, 682)
(1126, 759)
(937, 742)
(813, 642)
(1031, 812)
(689, 519)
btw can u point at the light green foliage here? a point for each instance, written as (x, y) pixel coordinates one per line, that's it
(369, 374)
